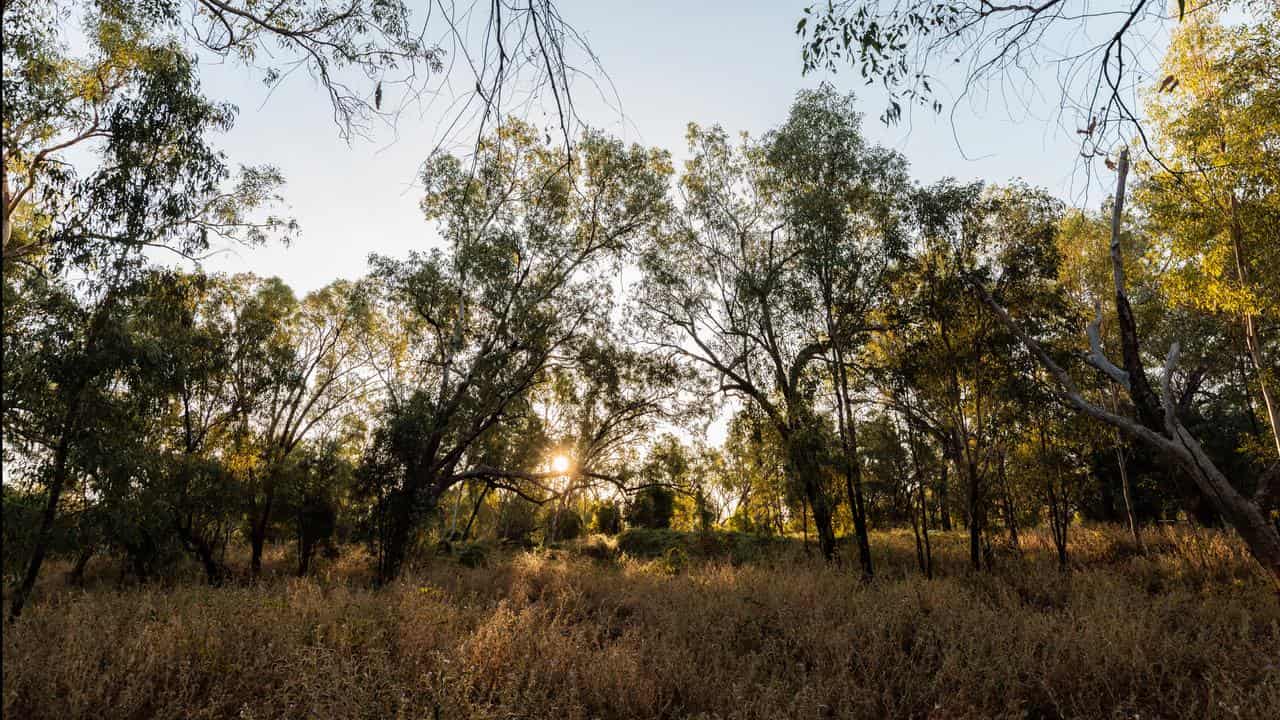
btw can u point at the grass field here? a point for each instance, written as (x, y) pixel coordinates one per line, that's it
(720, 628)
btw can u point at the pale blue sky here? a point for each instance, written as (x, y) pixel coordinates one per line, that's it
(732, 63)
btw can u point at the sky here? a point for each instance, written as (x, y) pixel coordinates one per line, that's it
(736, 64)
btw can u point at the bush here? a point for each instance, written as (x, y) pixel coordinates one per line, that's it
(517, 519)
(674, 560)
(562, 524)
(473, 555)
(652, 507)
(598, 548)
(648, 542)
(606, 518)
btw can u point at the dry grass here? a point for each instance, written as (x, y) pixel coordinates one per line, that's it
(1190, 631)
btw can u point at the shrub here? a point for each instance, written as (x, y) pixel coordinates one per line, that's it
(562, 524)
(674, 560)
(517, 519)
(606, 518)
(473, 555)
(652, 507)
(648, 542)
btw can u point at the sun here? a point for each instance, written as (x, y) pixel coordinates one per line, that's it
(560, 464)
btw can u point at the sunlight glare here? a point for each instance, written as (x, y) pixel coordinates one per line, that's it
(560, 464)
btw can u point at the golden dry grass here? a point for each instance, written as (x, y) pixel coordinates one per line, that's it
(1190, 631)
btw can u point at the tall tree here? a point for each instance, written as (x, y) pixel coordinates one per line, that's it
(520, 285)
(1213, 202)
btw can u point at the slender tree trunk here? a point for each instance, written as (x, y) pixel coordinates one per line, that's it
(76, 575)
(47, 518)
(924, 531)
(943, 510)
(975, 511)
(915, 532)
(466, 531)
(853, 469)
(258, 531)
(203, 550)
(805, 465)
(305, 550)
(1010, 512)
(1128, 495)
(923, 549)
(804, 523)
(1059, 517)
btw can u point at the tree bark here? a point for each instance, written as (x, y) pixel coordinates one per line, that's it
(76, 575)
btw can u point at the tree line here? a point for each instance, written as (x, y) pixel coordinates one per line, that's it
(883, 353)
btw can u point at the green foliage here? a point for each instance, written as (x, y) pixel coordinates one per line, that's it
(517, 521)
(473, 555)
(562, 523)
(652, 507)
(606, 518)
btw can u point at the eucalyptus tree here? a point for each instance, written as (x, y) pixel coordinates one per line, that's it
(217, 337)
(72, 359)
(1096, 54)
(316, 375)
(132, 103)
(1212, 203)
(520, 284)
(947, 362)
(844, 201)
(770, 272)
(754, 482)
(127, 80)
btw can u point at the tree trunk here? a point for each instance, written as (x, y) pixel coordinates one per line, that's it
(802, 453)
(466, 531)
(924, 531)
(1128, 495)
(1010, 512)
(47, 518)
(975, 513)
(76, 575)
(258, 531)
(402, 511)
(852, 468)
(1251, 339)
(943, 511)
(202, 548)
(853, 485)
(804, 524)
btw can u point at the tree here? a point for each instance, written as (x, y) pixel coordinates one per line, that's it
(517, 289)
(135, 98)
(316, 373)
(736, 286)
(1158, 423)
(1213, 202)
(844, 201)
(946, 362)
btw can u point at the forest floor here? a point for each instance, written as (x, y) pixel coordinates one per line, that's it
(1189, 630)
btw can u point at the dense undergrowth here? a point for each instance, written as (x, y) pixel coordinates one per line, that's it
(720, 626)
